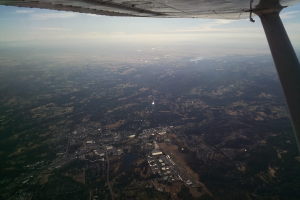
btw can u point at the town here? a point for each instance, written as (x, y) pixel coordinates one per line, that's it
(103, 148)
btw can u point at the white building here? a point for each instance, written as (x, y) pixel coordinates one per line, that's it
(156, 153)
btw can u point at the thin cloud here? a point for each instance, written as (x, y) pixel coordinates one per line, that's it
(290, 14)
(91, 15)
(57, 29)
(223, 21)
(24, 11)
(48, 16)
(215, 26)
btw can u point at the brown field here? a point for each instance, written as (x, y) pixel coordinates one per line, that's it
(116, 124)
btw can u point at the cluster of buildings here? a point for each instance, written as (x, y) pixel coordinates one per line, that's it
(162, 166)
(165, 168)
(93, 145)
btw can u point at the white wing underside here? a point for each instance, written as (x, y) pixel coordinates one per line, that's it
(224, 9)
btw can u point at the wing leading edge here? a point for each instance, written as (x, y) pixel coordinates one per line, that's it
(229, 9)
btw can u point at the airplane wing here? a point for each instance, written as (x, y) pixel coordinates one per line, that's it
(225, 9)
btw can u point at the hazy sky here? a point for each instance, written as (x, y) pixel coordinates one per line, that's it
(27, 26)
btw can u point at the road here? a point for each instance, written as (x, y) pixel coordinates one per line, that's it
(107, 177)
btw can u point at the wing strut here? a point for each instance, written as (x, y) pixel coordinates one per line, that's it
(286, 62)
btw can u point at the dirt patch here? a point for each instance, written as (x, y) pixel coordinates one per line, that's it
(43, 178)
(172, 189)
(179, 159)
(79, 176)
(116, 124)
